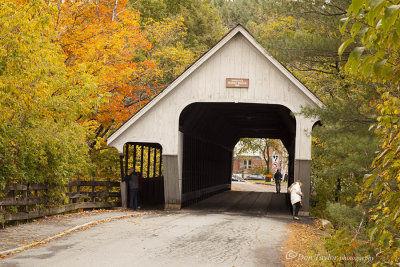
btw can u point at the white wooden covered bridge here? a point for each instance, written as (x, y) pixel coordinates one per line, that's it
(235, 90)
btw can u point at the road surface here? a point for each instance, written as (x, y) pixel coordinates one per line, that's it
(249, 186)
(229, 229)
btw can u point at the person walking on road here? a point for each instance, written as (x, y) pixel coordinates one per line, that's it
(278, 178)
(295, 198)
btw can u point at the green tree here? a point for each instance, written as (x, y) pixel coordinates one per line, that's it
(168, 48)
(203, 25)
(343, 147)
(240, 11)
(374, 28)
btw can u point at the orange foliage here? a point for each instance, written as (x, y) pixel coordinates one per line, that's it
(103, 39)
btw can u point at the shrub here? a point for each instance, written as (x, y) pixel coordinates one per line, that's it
(343, 216)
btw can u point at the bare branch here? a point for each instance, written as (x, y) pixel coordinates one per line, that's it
(114, 10)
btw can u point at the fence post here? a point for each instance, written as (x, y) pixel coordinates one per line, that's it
(25, 197)
(93, 198)
(1, 212)
(68, 189)
(64, 185)
(108, 190)
(78, 190)
(13, 195)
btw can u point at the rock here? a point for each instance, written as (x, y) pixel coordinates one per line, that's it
(325, 224)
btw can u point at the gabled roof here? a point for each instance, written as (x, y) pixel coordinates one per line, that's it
(239, 29)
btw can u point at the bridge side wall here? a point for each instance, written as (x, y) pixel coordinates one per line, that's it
(206, 169)
(302, 167)
(172, 192)
(302, 172)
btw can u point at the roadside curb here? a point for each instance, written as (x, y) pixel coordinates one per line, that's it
(84, 226)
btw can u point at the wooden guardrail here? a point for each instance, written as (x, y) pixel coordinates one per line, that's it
(34, 200)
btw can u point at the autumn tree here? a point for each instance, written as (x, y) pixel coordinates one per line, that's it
(40, 138)
(162, 48)
(104, 40)
(103, 43)
(374, 28)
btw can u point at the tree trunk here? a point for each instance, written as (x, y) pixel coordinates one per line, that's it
(266, 155)
(338, 188)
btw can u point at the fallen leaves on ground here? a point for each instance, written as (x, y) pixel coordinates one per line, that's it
(305, 246)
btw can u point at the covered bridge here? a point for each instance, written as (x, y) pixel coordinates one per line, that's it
(234, 90)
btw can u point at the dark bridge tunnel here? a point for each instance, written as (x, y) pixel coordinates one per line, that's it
(211, 131)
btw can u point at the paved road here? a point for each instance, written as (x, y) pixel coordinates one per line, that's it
(235, 229)
(249, 186)
(246, 202)
(23, 234)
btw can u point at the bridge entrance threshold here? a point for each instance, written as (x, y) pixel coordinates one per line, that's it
(245, 202)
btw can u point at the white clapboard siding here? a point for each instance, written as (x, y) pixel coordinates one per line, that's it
(237, 55)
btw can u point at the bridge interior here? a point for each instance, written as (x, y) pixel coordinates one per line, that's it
(211, 130)
(245, 202)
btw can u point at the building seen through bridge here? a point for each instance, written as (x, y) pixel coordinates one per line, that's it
(183, 139)
(252, 161)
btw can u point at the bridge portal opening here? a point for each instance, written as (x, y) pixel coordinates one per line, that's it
(210, 133)
(259, 158)
(145, 159)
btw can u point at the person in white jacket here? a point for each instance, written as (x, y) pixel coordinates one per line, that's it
(295, 197)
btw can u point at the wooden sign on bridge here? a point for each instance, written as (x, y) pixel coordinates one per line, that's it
(237, 83)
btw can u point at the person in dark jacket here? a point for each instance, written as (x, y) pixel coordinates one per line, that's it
(278, 178)
(133, 183)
